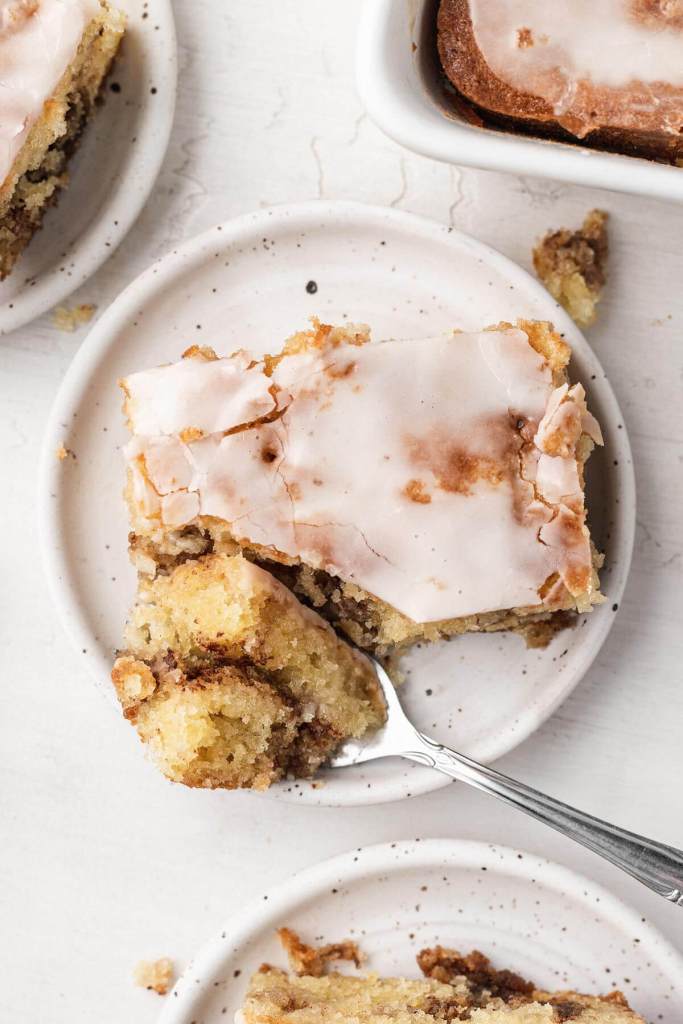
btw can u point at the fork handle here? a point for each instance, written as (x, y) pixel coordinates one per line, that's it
(657, 866)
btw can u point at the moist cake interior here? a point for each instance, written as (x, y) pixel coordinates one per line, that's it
(233, 683)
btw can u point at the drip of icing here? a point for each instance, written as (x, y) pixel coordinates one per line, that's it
(440, 475)
(38, 41)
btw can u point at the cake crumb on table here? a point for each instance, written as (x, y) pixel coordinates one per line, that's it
(243, 732)
(154, 975)
(572, 266)
(65, 319)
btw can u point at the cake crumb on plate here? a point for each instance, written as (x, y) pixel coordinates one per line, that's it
(312, 961)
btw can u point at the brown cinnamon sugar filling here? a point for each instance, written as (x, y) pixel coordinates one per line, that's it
(486, 982)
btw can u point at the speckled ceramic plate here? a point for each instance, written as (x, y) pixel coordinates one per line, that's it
(251, 283)
(111, 175)
(527, 914)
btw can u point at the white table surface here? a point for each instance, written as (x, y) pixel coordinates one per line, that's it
(102, 862)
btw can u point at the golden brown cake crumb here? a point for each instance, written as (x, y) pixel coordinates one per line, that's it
(312, 960)
(572, 266)
(154, 975)
(65, 319)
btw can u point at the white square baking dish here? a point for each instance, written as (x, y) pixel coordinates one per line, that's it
(400, 82)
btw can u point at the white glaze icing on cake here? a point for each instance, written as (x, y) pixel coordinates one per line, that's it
(38, 41)
(165, 400)
(548, 48)
(439, 475)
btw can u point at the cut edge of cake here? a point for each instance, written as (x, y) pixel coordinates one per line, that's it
(231, 682)
(39, 171)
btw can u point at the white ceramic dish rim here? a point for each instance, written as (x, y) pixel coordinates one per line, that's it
(119, 212)
(314, 881)
(104, 335)
(398, 102)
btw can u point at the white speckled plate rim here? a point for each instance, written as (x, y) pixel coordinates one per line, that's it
(389, 779)
(139, 163)
(247, 939)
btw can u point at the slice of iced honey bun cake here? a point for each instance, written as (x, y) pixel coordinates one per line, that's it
(406, 490)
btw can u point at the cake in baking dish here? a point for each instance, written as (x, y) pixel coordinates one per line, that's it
(454, 987)
(54, 55)
(406, 490)
(607, 74)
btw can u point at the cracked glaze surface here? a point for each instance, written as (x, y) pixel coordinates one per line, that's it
(440, 475)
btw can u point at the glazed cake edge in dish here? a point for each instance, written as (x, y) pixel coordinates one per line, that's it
(607, 75)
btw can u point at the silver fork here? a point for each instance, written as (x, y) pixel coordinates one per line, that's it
(657, 866)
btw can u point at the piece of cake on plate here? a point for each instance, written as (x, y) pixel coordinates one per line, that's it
(54, 55)
(401, 491)
(607, 74)
(406, 490)
(455, 987)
